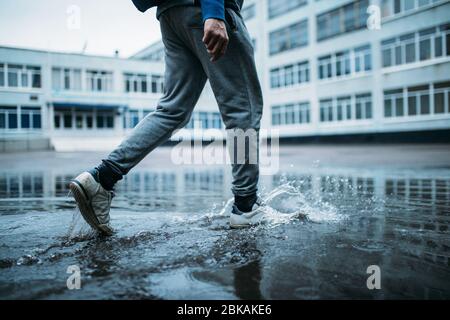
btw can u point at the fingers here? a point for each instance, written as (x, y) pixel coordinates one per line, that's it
(217, 47)
(207, 37)
(213, 41)
(218, 50)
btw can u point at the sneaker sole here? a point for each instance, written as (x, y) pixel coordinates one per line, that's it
(250, 223)
(85, 208)
(240, 226)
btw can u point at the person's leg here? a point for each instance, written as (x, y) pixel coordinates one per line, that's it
(236, 86)
(184, 82)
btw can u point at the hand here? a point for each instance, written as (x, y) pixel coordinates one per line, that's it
(215, 38)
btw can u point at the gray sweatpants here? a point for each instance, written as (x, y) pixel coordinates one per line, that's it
(233, 79)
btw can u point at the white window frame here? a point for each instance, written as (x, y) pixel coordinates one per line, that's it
(23, 72)
(363, 100)
(389, 5)
(61, 78)
(105, 77)
(31, 113)
(416, 40)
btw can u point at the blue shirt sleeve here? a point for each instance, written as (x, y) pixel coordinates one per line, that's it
(213, 9)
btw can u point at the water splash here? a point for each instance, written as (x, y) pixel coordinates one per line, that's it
(287, 203)
(79, 230)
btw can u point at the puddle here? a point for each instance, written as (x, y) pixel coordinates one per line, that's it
(325, 226)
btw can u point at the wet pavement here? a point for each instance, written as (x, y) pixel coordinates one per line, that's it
(335, 211)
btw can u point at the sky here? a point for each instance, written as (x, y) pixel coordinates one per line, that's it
(100, 27)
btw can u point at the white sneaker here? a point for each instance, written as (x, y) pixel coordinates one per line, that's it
(93, 201)
(239, 219)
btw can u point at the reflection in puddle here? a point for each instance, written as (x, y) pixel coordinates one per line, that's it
(326, 228)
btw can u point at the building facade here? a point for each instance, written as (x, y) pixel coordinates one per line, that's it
(328, 68)
(333, 68)
(81, 102)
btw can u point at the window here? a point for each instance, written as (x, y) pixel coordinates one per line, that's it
(345, 63)
(279, 7)
(394, 103)
(99, 81)
(416, 96)
(275, 78)
(205, 120)
(363, 106)
(419, 46)
(138, 83)
(143, 83)
(66, 79)
(89, 121)
(105, 120)
(304, 113)
(386, 9)
(57, 121)
(101, 122)
(425, 39)
(303, 72)
(70, 118)
(291, 114)
(288, 38)
(397, 51)
(157, 84)
(110, 121)
(20, 76)
(342, 63)
(79, 121)
(386, 49)
(326, 110)
(346, 108)
(289, 75)
(12, 119)
(395, 7)
(2, 75)
(30, 118)
(442, 97)
(350, 17)
(409, 48)
(35, 74)
(13, 75)
(325, 67)
(276, 115)
(8, 117)
(67, 120)
(359, 111)
(417, 101)
(446, 30)
(363, 59)
(131, 119)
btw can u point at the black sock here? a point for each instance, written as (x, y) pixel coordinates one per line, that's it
(106, 176)
(245, 204)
